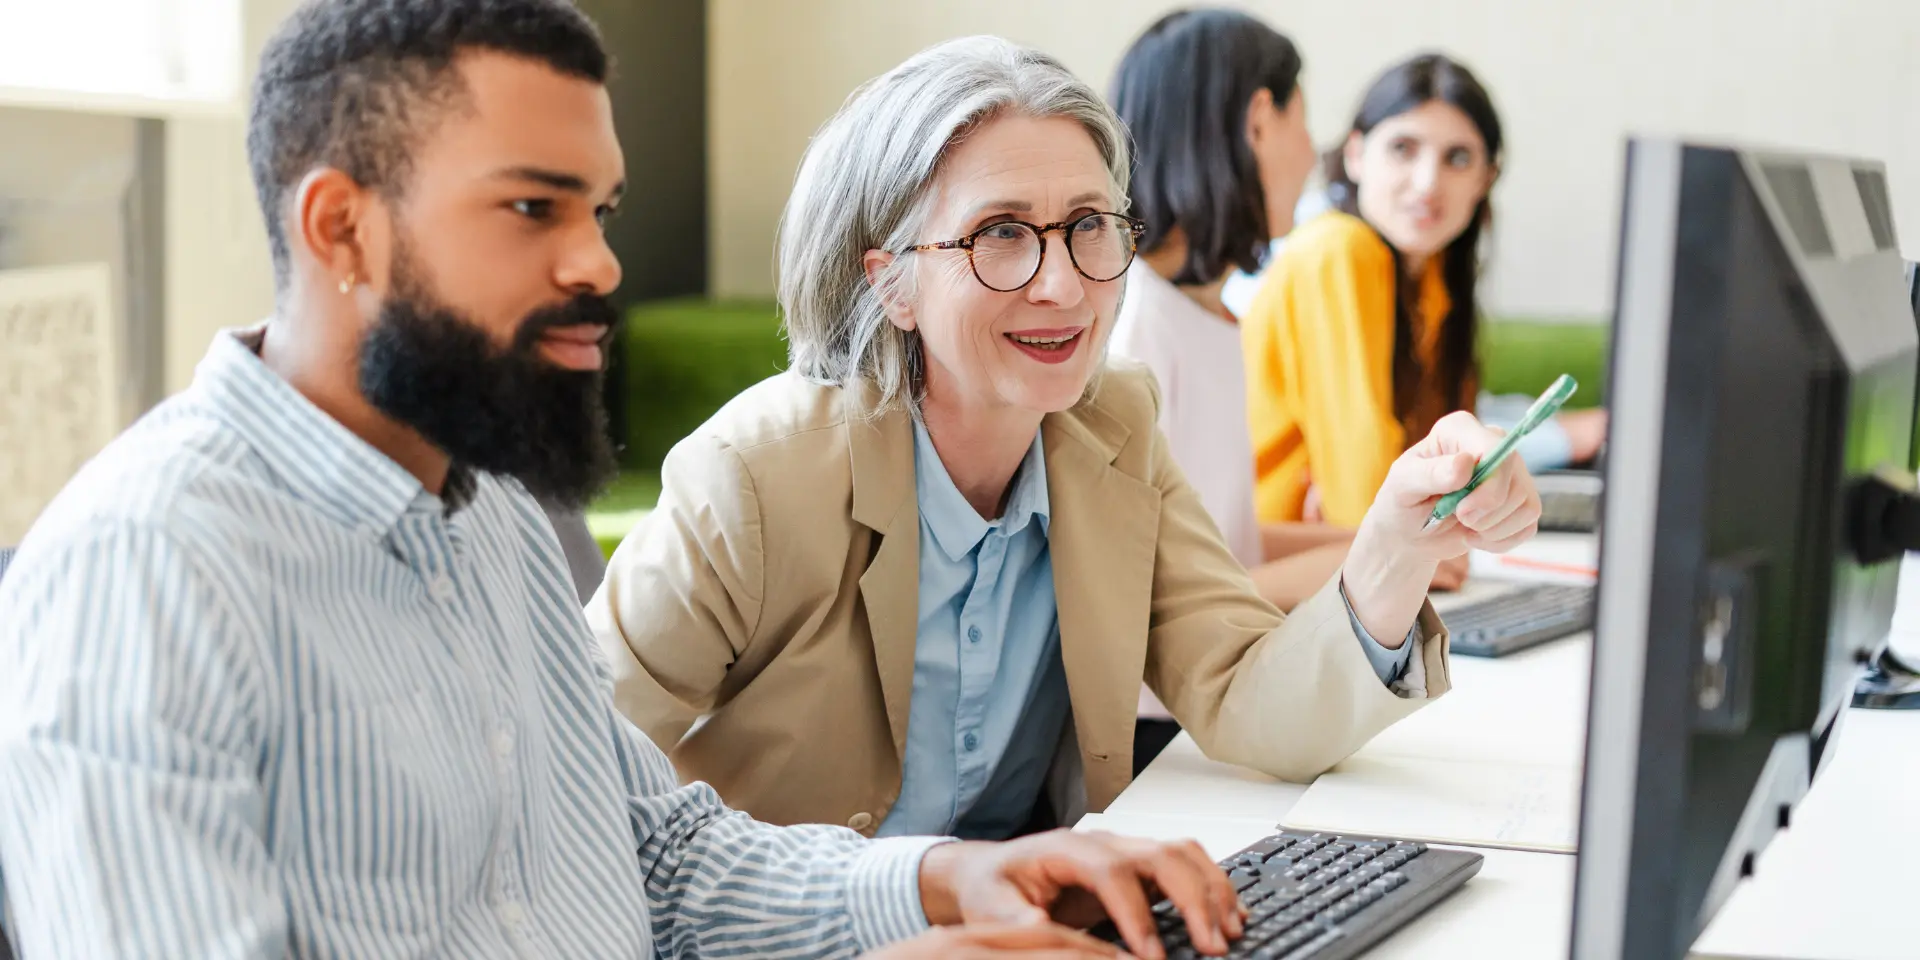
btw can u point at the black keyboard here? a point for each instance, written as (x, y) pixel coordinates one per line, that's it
(1569, 501)
(1518, 619)
(1323, 896)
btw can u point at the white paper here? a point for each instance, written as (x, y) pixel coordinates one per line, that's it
(1514, 806)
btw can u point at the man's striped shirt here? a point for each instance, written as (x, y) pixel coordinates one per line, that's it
(263, 695)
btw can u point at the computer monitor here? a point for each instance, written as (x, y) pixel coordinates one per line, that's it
(1764, 361)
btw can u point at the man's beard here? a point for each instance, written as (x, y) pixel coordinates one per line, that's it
(510, 412)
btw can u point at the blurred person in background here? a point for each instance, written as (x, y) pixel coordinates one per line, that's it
(1571, 439)
(1221, 153)
(1363, 333)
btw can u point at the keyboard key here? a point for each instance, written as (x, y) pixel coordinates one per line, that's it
(1242, 879)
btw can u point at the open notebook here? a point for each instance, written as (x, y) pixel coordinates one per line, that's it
(1461, 772)
(1511, 805)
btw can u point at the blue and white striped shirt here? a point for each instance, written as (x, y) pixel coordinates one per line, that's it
(262, 695)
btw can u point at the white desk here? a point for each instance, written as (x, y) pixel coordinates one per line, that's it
(1810, 900)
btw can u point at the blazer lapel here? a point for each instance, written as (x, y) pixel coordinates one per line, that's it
(881, 450)
(1103, 537)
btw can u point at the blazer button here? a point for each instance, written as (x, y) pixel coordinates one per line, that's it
(860, 821)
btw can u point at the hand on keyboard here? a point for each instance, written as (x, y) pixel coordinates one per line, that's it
(1323, 896)
(1078, 879)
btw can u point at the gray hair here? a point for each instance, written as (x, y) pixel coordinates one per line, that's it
(865, 185)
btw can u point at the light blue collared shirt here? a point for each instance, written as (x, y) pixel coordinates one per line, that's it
(986, 663)
(262, 695)
(989, 689)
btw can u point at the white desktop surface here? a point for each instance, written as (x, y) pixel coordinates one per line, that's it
(1528, 706)
(1837, 886)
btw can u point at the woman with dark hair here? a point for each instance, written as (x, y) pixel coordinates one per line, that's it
(1221, 153)
(1362, 336)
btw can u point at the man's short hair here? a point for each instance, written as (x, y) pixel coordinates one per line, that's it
(357, 84)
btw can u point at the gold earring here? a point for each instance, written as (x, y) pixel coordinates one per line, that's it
(346, 286)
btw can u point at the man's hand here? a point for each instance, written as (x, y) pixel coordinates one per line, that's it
(1078, 879)
(1043, 942)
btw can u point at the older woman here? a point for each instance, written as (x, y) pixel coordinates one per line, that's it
(914, 584)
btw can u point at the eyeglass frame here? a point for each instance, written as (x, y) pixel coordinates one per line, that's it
(1135, 227)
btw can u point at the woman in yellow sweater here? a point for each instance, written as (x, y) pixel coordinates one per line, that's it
(1362, 335)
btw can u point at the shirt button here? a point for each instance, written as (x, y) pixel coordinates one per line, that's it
(973, 634)
(441, 588)
(860, 821)
(971, 741)
(503, 742)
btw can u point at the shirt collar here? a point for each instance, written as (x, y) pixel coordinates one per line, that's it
(313, 455)
(956, 526)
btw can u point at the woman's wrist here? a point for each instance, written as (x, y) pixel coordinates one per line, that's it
(1386, 583)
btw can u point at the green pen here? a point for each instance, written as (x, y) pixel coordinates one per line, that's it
(1548, 405)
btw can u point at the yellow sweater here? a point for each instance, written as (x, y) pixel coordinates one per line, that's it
(1318, 341)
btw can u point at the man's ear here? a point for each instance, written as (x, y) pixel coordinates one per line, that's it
(878, 264)
(330, 214)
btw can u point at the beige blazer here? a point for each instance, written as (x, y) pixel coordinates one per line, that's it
(760, 623)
